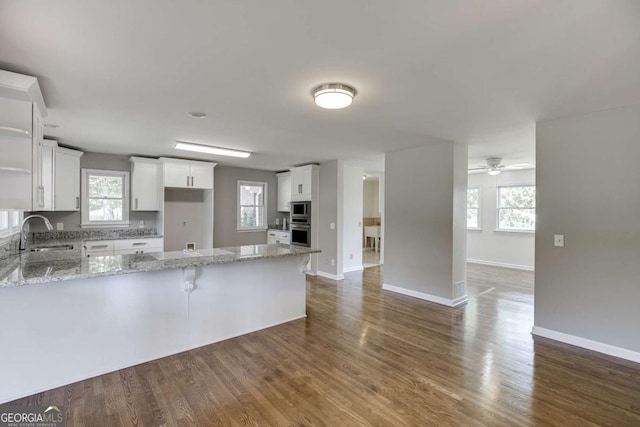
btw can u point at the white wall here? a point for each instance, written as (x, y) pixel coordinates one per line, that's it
(352, 218)
(487, 246)
(424, 205)
(587, 190)
(371, 198)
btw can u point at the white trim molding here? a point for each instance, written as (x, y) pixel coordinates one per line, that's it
(330, 276)
(352, 269)
(501, 264)
(597, 346)
(427, 297)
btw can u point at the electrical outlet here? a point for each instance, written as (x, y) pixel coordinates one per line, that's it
(277, 221)
(59, 226)
(558, 240)
(350, 256)
(459, 289)
(333, 263)
(332, 226)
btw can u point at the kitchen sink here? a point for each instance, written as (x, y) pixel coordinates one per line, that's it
(52, 248)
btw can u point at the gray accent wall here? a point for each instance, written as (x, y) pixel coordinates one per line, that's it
(225, 207)
(423, 194)
(588, 189)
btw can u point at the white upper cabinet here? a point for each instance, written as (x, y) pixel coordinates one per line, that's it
(145, 184)
(43, 175)
(302, 182)
(201, 176)
(284, 192)
(180, 173)
(67, 179)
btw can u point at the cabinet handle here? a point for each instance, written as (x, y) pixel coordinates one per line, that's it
(139, 244)
(98, 246)
(136, 203)
(299, 188)
(41, 196)
(192, 181)
(77, 202)
(187, 180)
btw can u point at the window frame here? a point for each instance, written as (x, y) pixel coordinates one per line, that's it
(498, 208)
(86, 222)
(265, 186)
(14, 219)
(479, 208)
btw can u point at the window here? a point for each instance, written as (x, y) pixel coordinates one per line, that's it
(473, 208)
(10, 222)
(252, 205)
(105, 198)
(517, 208)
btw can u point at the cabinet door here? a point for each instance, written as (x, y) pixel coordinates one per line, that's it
(145, 187)
(67, 182)
(284, 192)
(177, 175)
(301, 188)
(201, 176)
(47, 174)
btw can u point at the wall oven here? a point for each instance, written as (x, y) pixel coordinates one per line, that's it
(301, 235)
(300, 213)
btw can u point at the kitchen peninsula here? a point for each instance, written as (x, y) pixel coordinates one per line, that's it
(80, 317)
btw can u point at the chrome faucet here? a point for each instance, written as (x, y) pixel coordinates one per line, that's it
(23, 236)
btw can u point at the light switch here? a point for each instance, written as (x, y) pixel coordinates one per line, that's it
(60, 226)
(558, 240)
(332, 226)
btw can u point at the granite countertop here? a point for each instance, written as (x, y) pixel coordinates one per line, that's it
(278, 228)
(45, 267)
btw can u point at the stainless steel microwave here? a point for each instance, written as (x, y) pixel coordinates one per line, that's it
(300, 212)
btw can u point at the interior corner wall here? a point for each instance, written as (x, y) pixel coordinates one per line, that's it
(328, 213)
(352, 207)
(587, 190)
(418, 216)
(225, 208)
(459, 232)
(491, 247)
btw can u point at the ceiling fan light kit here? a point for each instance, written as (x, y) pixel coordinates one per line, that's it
(494, 167)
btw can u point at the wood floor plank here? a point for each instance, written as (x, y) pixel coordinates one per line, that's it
(364, 356)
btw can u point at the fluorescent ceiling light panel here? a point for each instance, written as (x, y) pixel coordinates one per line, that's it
(210, 149)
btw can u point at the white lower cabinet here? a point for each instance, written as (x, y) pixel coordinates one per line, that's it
(277, 236)
(122, 247)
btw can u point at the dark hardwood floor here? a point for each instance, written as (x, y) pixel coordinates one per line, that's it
(365, 356)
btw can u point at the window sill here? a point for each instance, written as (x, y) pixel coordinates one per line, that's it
(111, 225)
(474, 229)
(503, 230)
(250, 230)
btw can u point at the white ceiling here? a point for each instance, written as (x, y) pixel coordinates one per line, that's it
(120, 75)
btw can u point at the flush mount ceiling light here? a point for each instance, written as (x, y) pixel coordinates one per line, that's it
(333, 95)
(210, 149)
(196, 115)
(494, 171)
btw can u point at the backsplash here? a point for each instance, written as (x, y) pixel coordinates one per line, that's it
(41, 236)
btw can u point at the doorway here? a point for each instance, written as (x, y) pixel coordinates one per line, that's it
(371, 220)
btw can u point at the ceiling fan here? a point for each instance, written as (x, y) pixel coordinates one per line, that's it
(494, 167)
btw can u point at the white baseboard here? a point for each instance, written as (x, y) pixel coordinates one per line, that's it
(427, 297)
(330, 276)
(351, 269)
(501, 264)
(600, 347)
